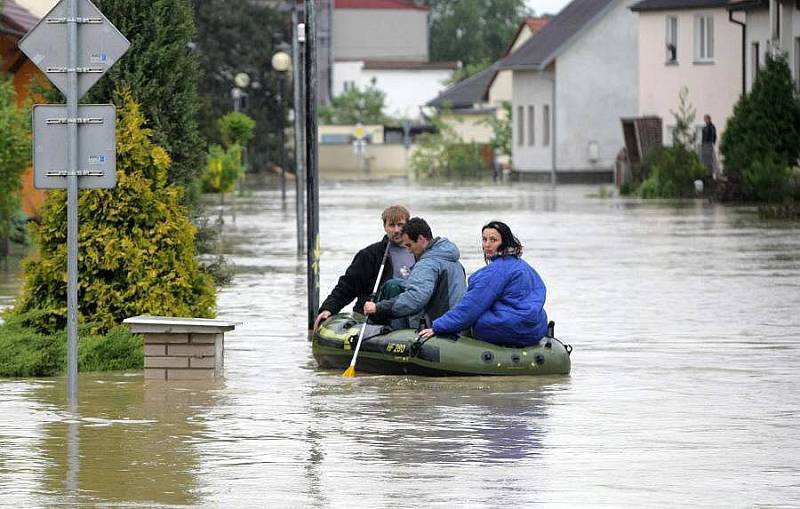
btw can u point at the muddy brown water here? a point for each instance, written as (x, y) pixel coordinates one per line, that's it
(684, 391)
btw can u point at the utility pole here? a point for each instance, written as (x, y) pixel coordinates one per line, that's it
(312, 162)
(298, 39)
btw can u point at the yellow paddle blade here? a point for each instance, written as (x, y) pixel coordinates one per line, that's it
(349, 372)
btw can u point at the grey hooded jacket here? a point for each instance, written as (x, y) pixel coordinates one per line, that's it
(436, 284)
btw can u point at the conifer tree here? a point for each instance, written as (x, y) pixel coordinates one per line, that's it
(137, 252)
(762, 138)
(162, 73)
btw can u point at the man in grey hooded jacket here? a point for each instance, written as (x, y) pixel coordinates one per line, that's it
(437, 281)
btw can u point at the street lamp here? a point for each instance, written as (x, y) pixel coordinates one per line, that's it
(241, 80)
(281, 63)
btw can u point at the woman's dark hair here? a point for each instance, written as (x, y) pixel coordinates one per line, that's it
(509, 244)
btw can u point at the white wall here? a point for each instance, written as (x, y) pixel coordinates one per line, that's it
(531, 88)
(406, 89)
(758, 30)
(596, 84)
(714, 87)
(388, 34)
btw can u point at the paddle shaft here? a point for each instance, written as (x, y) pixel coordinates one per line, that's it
(374, 290)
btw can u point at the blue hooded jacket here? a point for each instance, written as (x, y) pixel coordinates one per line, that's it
(504, 304)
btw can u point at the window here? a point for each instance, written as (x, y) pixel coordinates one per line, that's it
(755, 61)
(704, 38)
(545, 125)
(671, 39)
(531, 128)
(349, 85)
(520, 125)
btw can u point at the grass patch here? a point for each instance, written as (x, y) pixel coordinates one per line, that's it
(26, 352)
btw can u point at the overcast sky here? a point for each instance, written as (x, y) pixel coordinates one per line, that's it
(546, 6)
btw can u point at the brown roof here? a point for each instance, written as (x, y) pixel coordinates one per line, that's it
(16, 18)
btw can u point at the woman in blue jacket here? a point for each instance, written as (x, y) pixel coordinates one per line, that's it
(504, 303)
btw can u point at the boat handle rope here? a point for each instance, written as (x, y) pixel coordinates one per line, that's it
(416, 346)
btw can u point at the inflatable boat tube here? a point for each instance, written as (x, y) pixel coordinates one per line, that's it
(402, 352)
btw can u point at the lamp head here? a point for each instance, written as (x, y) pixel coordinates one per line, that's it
(281, 61)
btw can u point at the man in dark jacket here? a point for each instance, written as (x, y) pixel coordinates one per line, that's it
(358, 280)
(707, 153)
(436, 284)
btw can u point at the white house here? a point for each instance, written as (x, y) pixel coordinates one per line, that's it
(472, 101)
(572, 81)
(385, 43)
(692, 44)
(770, 24)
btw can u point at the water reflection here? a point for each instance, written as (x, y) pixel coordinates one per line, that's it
(126, 440)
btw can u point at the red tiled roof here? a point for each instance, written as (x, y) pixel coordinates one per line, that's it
(379, 4)
(536, 23)
(17, 18)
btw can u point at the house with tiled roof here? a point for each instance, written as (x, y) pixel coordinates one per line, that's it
(385, 43)
(572, 81)
(692, 44)
(15, 22)
(469, 103)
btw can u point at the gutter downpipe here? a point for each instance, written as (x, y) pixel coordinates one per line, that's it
(553, 171)
(744, 50)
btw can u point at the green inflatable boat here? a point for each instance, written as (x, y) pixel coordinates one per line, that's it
(401, 352)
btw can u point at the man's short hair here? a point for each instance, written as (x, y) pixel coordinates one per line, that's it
(415, 227)
(395, 214)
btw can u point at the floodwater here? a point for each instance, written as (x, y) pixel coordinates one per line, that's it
(684, 391)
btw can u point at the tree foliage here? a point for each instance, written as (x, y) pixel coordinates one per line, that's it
(762, 139)
(137, 253)
(236, 129)
(444, 155)
(683, 134)
(162, 73)
(356, 106)
(15, 155)
(234, 37)
(472, 31)
(501, 131)
(465, 71)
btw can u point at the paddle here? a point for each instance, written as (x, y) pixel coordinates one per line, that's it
(351, 371)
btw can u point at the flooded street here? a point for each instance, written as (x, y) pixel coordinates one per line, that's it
(684, 391)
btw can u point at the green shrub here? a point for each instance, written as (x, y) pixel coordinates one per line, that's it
(766, 179)
(28, 352)
(671, 173)
(137, 252)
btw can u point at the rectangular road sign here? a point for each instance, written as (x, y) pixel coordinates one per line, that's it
(97, 146)
(100, 44)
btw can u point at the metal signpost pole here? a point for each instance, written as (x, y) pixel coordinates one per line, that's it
(312, 168)
(73, 142)
(298, 36)
(72, 200)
